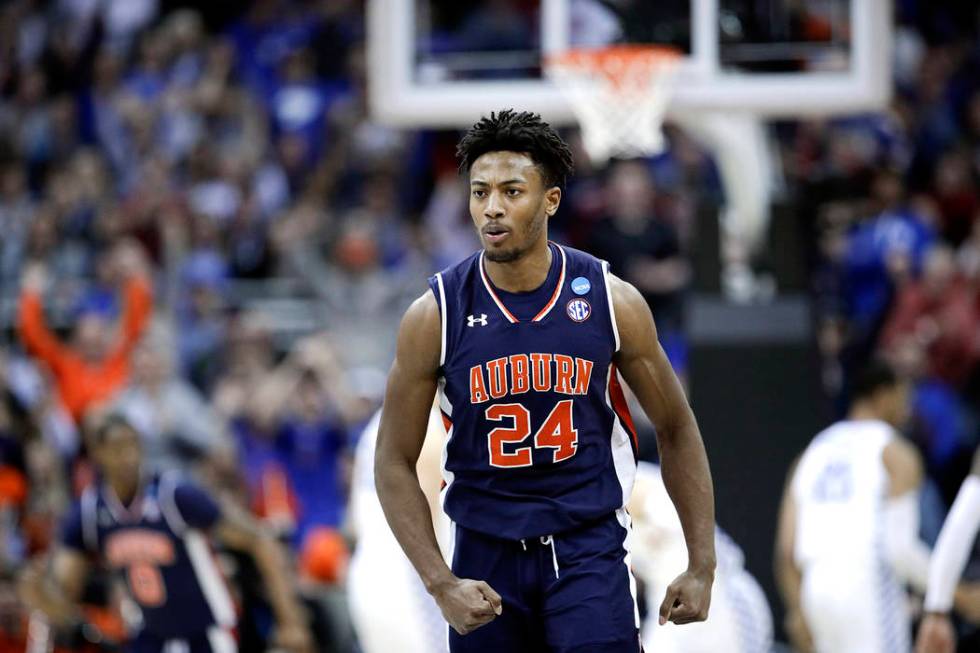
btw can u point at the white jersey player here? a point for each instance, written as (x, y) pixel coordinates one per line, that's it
(848, 529)
(952, 550)
(388, 603)
(740, 620)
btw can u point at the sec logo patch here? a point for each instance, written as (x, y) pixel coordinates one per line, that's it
(578, 309)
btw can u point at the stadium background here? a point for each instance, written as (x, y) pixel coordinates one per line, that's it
(227, 155)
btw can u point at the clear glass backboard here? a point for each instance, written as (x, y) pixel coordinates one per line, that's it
(444, 62)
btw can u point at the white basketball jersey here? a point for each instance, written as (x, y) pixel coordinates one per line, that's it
(851, 598)
(839, 488)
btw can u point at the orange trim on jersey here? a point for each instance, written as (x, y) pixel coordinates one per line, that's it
(446, 422)
(620, 406)
(486, 283)
(547, 307)
(554, 297)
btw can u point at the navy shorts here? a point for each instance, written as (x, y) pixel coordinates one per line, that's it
(568, 593)
(214, 640)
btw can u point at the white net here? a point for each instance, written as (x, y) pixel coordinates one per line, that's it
(619, 95)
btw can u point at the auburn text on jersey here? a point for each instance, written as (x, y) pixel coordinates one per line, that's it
(520, 373)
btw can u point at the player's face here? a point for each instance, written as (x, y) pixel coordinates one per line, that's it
(119, 456)
(510, 204)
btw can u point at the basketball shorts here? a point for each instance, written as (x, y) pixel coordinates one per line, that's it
(850, 609)
(572, 592)
(213, 640)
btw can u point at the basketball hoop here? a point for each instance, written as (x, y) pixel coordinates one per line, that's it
(619, 95)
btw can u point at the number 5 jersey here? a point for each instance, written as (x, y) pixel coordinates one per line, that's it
(540, 437)
(159, 547)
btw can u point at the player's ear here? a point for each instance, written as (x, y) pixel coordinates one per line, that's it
(552, 198)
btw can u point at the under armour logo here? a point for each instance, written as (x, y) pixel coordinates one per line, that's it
(472, 321)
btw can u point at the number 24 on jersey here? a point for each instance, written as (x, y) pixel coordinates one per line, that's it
(556, 433)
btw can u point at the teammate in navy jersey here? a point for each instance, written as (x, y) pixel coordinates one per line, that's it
(153, 531)
(525, 342)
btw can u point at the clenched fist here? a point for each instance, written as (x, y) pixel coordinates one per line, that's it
(467, 604)
(687, 599)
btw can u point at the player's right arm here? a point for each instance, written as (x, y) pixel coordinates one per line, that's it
(936, 634)
(466, 604)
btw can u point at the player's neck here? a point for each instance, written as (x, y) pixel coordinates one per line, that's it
(861, 412)
(124, 491)
(524, 274)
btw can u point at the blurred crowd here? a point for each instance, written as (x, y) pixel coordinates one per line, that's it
(201, 229)
(893, 205)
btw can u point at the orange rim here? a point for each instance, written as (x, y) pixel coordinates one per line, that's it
(602, 57)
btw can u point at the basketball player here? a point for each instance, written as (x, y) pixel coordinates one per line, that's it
(740, 619)
(153, 532)
(525, 341)
(848, 530)
(952, 550)
(388, 603)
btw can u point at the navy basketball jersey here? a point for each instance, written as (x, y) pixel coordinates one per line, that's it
(159, 548)
(540, 438)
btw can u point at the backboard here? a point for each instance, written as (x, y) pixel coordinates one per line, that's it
(441, 63)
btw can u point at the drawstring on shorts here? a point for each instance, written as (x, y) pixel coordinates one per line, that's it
(547, 540)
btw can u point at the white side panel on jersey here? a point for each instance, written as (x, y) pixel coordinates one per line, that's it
(447, 476)
(168, 503)
(221, 640)
(442, 318)
(209, 577)
(624, 520)
(622, 451)
(609, 301)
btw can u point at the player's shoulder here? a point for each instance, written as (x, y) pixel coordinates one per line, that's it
(420, 334)
(633, 316)
(901, 456)
(421, 313)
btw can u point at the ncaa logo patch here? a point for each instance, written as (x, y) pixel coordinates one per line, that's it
(578, 309)
(581, 285)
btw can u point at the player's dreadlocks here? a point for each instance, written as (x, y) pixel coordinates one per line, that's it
(524, 132)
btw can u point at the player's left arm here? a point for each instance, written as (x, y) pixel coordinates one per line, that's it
(684, 463)
(238, 530)
(905, 551)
